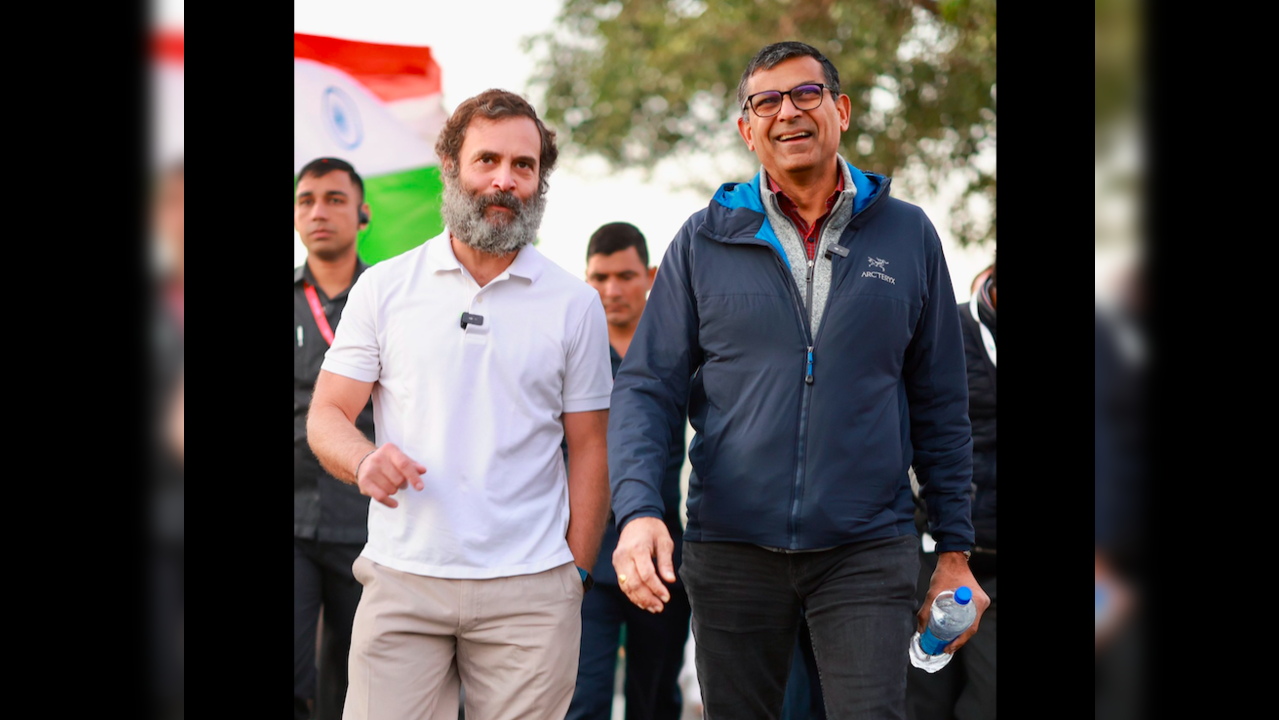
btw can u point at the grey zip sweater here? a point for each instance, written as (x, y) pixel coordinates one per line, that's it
(813, 282)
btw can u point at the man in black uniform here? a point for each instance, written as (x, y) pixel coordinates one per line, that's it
(330, 518)
(166, 328)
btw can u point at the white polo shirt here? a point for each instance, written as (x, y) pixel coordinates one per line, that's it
(480, 408)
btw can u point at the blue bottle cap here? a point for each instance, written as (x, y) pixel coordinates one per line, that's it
(963, 595)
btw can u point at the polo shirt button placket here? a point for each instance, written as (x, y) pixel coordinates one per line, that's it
(477, 333)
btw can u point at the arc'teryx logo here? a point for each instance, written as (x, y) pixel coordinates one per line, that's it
(879, 263)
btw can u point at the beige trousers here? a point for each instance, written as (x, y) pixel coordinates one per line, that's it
(512, 641)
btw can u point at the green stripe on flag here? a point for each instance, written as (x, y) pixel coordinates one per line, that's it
(405, 209)
(405, 212)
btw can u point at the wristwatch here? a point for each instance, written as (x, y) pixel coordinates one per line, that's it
(587, 581)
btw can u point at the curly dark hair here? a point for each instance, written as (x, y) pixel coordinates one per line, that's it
(496, 105)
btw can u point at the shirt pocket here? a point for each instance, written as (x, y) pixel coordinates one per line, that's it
(307, 357)
(307, 360)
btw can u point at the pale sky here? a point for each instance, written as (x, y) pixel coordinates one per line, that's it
(478, 46)
(168, 13)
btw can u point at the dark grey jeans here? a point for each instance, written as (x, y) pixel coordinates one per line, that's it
(860, 604)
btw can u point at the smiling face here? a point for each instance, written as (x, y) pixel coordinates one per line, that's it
(794, 141)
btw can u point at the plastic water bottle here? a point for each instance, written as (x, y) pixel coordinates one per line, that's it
(952, 614)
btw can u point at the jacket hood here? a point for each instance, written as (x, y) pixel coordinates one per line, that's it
(736, 213)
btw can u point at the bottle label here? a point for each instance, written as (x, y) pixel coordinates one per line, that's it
(930, 644)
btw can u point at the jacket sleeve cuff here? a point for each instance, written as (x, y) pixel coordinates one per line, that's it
(953, 546)
(642, 512)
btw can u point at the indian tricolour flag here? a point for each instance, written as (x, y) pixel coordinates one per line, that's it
(379, 108)
(168, 79)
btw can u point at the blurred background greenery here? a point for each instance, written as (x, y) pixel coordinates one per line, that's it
(1118, 140)
(642, 81)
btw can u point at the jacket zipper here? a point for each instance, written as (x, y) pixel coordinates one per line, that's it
(803, 410)
(805, 319)
(808, 295)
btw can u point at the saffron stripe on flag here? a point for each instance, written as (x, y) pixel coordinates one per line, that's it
(391, 72)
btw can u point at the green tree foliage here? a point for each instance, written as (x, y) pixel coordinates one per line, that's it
(1117, 76)
(640, 81)
(1116, 67)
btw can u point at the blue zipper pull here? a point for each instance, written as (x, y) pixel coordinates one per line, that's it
(809, 377)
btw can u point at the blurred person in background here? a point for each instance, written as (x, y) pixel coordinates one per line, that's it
(330, 517)
(170, 232)
(965, 688)
(177, 422)
(1121, 365)
(171, 228)
(1120, 372)
(617, 267)
(167, 409)
(481, 355)
(981, 278)
(810, 321)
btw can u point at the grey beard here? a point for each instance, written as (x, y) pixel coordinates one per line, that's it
(464, 215)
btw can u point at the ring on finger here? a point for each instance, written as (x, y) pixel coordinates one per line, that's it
(621, 579)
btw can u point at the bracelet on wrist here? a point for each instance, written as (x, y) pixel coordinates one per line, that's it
(361, 462)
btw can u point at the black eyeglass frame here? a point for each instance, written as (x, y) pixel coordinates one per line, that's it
(782, 94)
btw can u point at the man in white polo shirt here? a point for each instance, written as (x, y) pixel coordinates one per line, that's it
(481, 355)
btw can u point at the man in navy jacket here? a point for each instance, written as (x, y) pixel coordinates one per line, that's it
(807, 323)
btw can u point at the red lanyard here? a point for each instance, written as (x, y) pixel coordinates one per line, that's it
(318, 312)
(176, 306)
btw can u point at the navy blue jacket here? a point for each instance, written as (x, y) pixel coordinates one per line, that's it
(801, 442)
(604, 572)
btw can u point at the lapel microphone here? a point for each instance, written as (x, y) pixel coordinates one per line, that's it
(469, 319)
(838, 249)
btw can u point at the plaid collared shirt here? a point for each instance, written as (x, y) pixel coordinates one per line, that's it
(811, 234)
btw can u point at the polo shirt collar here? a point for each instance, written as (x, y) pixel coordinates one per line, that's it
(439, 253)
(528, 263)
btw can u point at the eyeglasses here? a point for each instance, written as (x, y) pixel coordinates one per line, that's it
(769, 102)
